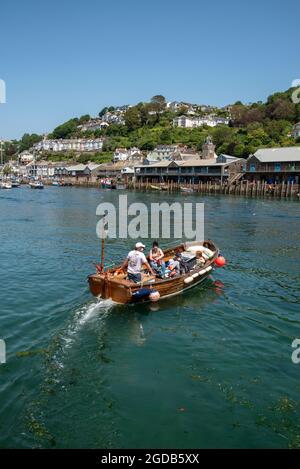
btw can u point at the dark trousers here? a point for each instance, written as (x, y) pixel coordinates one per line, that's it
(136, 278)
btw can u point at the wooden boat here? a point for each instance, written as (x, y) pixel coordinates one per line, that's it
(113, 283)
(155, 188)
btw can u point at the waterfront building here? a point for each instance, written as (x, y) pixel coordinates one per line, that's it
(192, 171)
(117, 170)
(274, 165)
(40, 169)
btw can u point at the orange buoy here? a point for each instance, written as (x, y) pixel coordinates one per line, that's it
(220, 261)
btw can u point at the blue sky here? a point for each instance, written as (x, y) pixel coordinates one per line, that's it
(61, 59)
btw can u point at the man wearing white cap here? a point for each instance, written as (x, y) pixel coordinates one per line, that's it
(134, 263)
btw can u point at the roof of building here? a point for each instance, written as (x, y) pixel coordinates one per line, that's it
(273, 155)
(92, 166)
(114, 166)
(77, 167)
(186, 163)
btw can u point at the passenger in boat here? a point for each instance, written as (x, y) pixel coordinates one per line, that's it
(156, 258)
(134, 262)
(174, 264)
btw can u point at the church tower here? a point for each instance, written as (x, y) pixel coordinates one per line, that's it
(208, 149)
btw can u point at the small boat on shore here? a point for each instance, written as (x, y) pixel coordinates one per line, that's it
(155, 188)
(36, 185)
(113, 283)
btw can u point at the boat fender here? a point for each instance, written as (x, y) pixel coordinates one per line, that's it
(202, 272)
(196, 275)
(154, 295)
(188, 280)
(208, 269)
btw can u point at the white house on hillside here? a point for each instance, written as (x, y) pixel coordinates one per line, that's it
(189, 122)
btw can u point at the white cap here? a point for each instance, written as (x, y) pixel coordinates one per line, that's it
(139, 245)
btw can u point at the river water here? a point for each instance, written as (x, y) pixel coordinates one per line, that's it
(209, 368)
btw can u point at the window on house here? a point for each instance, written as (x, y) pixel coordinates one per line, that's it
(252, 168)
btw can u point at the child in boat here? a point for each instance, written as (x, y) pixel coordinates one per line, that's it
(174, 264)
(156, 258)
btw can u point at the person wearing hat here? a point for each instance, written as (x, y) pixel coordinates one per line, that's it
(134, 262)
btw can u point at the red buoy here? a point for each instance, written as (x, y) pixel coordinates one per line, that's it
(220, 261)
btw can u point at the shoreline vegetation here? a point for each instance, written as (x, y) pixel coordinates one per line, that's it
(148, 124)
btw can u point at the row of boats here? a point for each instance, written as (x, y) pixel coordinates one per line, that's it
(35, 184)
(10, 184)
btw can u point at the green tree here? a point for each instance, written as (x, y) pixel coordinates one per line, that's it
(84, 118)
(159, 102)
(66, 130)
(103, 111)
(132, 118)
(28, 140)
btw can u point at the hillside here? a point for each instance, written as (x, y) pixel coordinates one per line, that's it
(145, 125)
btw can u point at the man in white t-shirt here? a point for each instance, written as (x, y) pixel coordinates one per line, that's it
(134, 262)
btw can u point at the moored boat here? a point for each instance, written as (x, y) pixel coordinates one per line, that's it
(6, 185)
(36, 185)
(107, 184)
(113, 283)
(187, 190)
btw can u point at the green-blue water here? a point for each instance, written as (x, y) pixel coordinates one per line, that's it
(210, 368)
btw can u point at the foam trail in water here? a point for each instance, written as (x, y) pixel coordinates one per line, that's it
(99, 308)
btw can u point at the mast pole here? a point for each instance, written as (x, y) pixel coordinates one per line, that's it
(102, 254)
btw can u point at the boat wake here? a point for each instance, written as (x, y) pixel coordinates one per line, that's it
(92, 310)
(99, 310)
